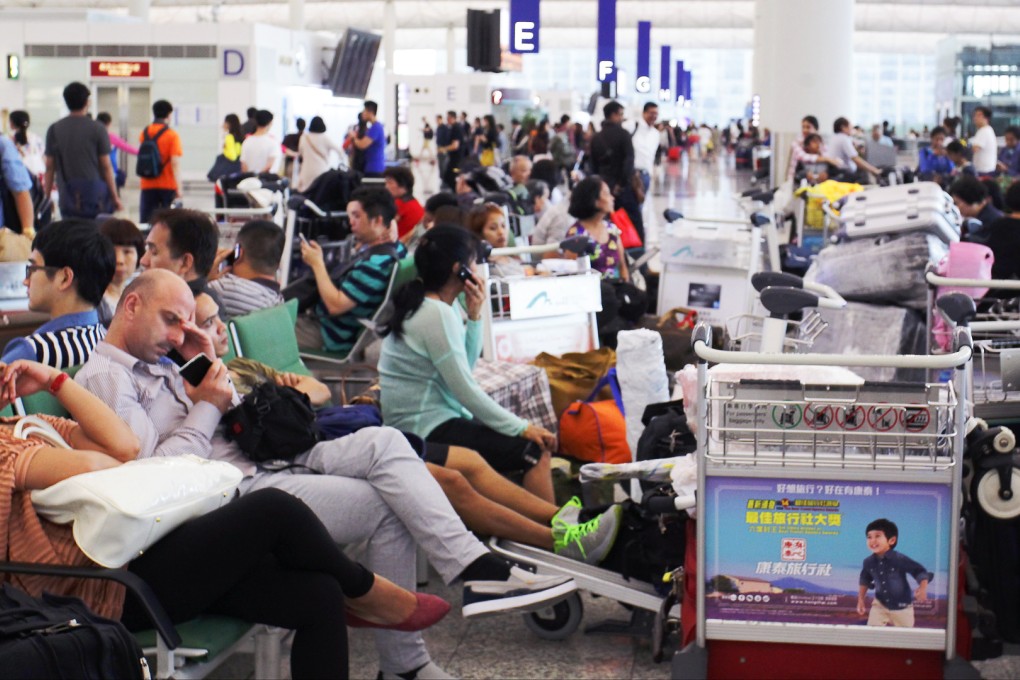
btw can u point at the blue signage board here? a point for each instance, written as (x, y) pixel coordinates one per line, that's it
(664, 74)
(524, 26)
(606, 50)
(643, 80)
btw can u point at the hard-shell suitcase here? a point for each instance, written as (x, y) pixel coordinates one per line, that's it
(921, 206)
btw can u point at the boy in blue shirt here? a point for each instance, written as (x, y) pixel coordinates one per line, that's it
(886, 571)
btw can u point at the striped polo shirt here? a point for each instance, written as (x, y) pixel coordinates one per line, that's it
(364, 281)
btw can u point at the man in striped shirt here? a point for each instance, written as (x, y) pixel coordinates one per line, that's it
(357, 290)
(69, 269)
(250, 282)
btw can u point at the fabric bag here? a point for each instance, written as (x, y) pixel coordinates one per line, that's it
(60, 637)
(223, 166)
(487, 158)
(573, 375)
(273, 422)
(628, 233)
(339, 421)
(676, 327)
(596, 431)
(119, 512)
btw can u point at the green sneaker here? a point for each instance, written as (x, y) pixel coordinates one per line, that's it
(589, 542)
(568, 514)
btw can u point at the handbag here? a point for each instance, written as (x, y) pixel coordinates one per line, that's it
(628, 233)
(222, 167)
(676, 327)
(596, 431)
(487, 158)
(273, 422)
(573, 375)
(119, 512)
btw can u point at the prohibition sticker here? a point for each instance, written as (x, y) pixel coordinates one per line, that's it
(818, 416)
(786, 417)
(916, 419)
(850, 417)
(882, 418)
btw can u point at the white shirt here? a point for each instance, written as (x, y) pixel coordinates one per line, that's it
(257, 150)
(646, 142)
(985, 150)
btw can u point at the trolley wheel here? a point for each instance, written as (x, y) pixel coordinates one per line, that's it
(557, 622)
(988, 495)
(1005, 441)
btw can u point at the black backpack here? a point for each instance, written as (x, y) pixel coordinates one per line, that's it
(272, 423)
(59, 637)
(150, 162)
(42, 206)
(666, 433)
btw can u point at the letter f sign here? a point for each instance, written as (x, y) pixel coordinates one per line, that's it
(605, 69)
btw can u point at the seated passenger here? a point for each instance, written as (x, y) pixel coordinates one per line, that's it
(356, 291)
(427, 357)
(366, 487)
(932, 162)
(485, 500)
(70, 266)
(821, 167)
(1004, 238)
(400, 183)
(129, 246)
(428, 220)
(263, 558)
(973, 200)
(488, 222)
(957, 154)
(249, 280)
(184, 242)
(591, 203)
(1009, 155)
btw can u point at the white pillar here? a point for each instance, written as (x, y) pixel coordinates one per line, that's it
(388, 110)
(297, 15)
(451, 49)
(803, 64)
(139, 9)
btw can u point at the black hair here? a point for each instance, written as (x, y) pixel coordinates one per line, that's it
(1012, 198)
(451, 113)
(968, 189)
(839, 124)
(161, 108)
(812, 137)
(450, 215)
(956, 147)
(123, 233)
(263, 118)
(649, 105)
(439, 250)
(402, 175)
(937, 130)
(986, 112)
(262, 241)
(191, 231)
(1011, 130)
(104, 117)
(300, 124)
(537, 188)
(79, 245)
(20, 120)
(376, 202)
(251, 112)
(490, 121)
(371, 106)
(810, 119)
(887, 527)
(234, 126)
(994, 193)
(76, 96)
(585, 196)
(436, 201)
(564, 119)
(546, 171)
(612, 108)
(317, 125)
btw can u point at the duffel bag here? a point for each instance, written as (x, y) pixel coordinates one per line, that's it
(596, 431)
(573, 375)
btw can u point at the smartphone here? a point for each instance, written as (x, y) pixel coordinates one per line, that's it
(194, 371)
(464, 273)
(230, 259)
(304, 239)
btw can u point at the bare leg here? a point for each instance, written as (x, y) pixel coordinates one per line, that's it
(538, 480)
(487, 517)
(496, 487)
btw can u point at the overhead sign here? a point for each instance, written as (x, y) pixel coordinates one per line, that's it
(110, 68)
(664, 72)
(643, 79)
(13, 67)
(606, 52)
(680, 96)
(524, 26)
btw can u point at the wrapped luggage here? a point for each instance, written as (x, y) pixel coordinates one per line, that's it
(871, 329)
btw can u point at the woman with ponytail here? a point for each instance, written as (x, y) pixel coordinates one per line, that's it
(427, 358)
(30, 145)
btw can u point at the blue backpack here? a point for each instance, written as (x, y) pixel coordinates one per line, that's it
(150, 162)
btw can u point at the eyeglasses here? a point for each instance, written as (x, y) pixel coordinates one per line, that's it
(33, 268)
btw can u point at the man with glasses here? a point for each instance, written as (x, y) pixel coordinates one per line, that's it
(70, 266)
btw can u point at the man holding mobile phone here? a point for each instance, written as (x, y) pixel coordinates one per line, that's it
(248, 282)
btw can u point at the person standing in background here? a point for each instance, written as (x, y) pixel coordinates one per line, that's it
(983, 144)
(260, 151)
(372, 142)
(118, 144)
(161, 191)
(30, 145)
(250, 125)
(232, 137)
(290, 150)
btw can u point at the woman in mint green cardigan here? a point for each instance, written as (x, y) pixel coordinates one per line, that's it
(427, 357)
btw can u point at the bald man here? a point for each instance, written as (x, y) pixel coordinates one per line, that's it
(370, 486)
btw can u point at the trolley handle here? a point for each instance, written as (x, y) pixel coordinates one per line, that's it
(706, 353)
(828, 298)
(579, 245)
(827, 209)
(934, 279)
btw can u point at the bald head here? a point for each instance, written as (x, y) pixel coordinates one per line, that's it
(149, 315)
(520, 169)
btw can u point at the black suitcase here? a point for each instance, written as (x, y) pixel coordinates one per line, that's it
(59, 637)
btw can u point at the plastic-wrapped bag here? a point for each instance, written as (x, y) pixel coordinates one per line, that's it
(641, 370)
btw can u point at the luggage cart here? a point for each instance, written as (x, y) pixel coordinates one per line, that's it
(789, 477)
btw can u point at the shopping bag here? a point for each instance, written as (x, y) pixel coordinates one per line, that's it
(628, 233)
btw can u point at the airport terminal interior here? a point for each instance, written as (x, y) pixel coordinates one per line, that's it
(510, 338)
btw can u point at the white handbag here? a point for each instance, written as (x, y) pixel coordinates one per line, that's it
(119, 512)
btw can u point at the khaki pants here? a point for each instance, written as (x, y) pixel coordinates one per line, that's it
(882, 616)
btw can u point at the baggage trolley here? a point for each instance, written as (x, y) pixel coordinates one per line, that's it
(790, 475)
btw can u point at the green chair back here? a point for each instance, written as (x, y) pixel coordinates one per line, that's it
(42, 402)
(406, 271)
(267, 335)
(7, 411)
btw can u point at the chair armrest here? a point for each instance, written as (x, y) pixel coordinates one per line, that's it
(160, 620)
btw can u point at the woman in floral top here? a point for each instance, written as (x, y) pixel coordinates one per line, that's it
(591, 203)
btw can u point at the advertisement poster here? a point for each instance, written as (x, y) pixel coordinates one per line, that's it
(797, 551)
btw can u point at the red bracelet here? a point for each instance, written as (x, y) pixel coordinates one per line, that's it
(58, 382)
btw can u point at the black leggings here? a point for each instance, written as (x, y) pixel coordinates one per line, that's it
(264, 558)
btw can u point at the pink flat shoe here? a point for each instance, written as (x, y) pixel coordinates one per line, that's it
(429, 610)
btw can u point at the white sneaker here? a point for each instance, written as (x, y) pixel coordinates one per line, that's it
(523, 591)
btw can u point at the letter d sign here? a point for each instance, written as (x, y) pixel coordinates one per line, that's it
(233, 62)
